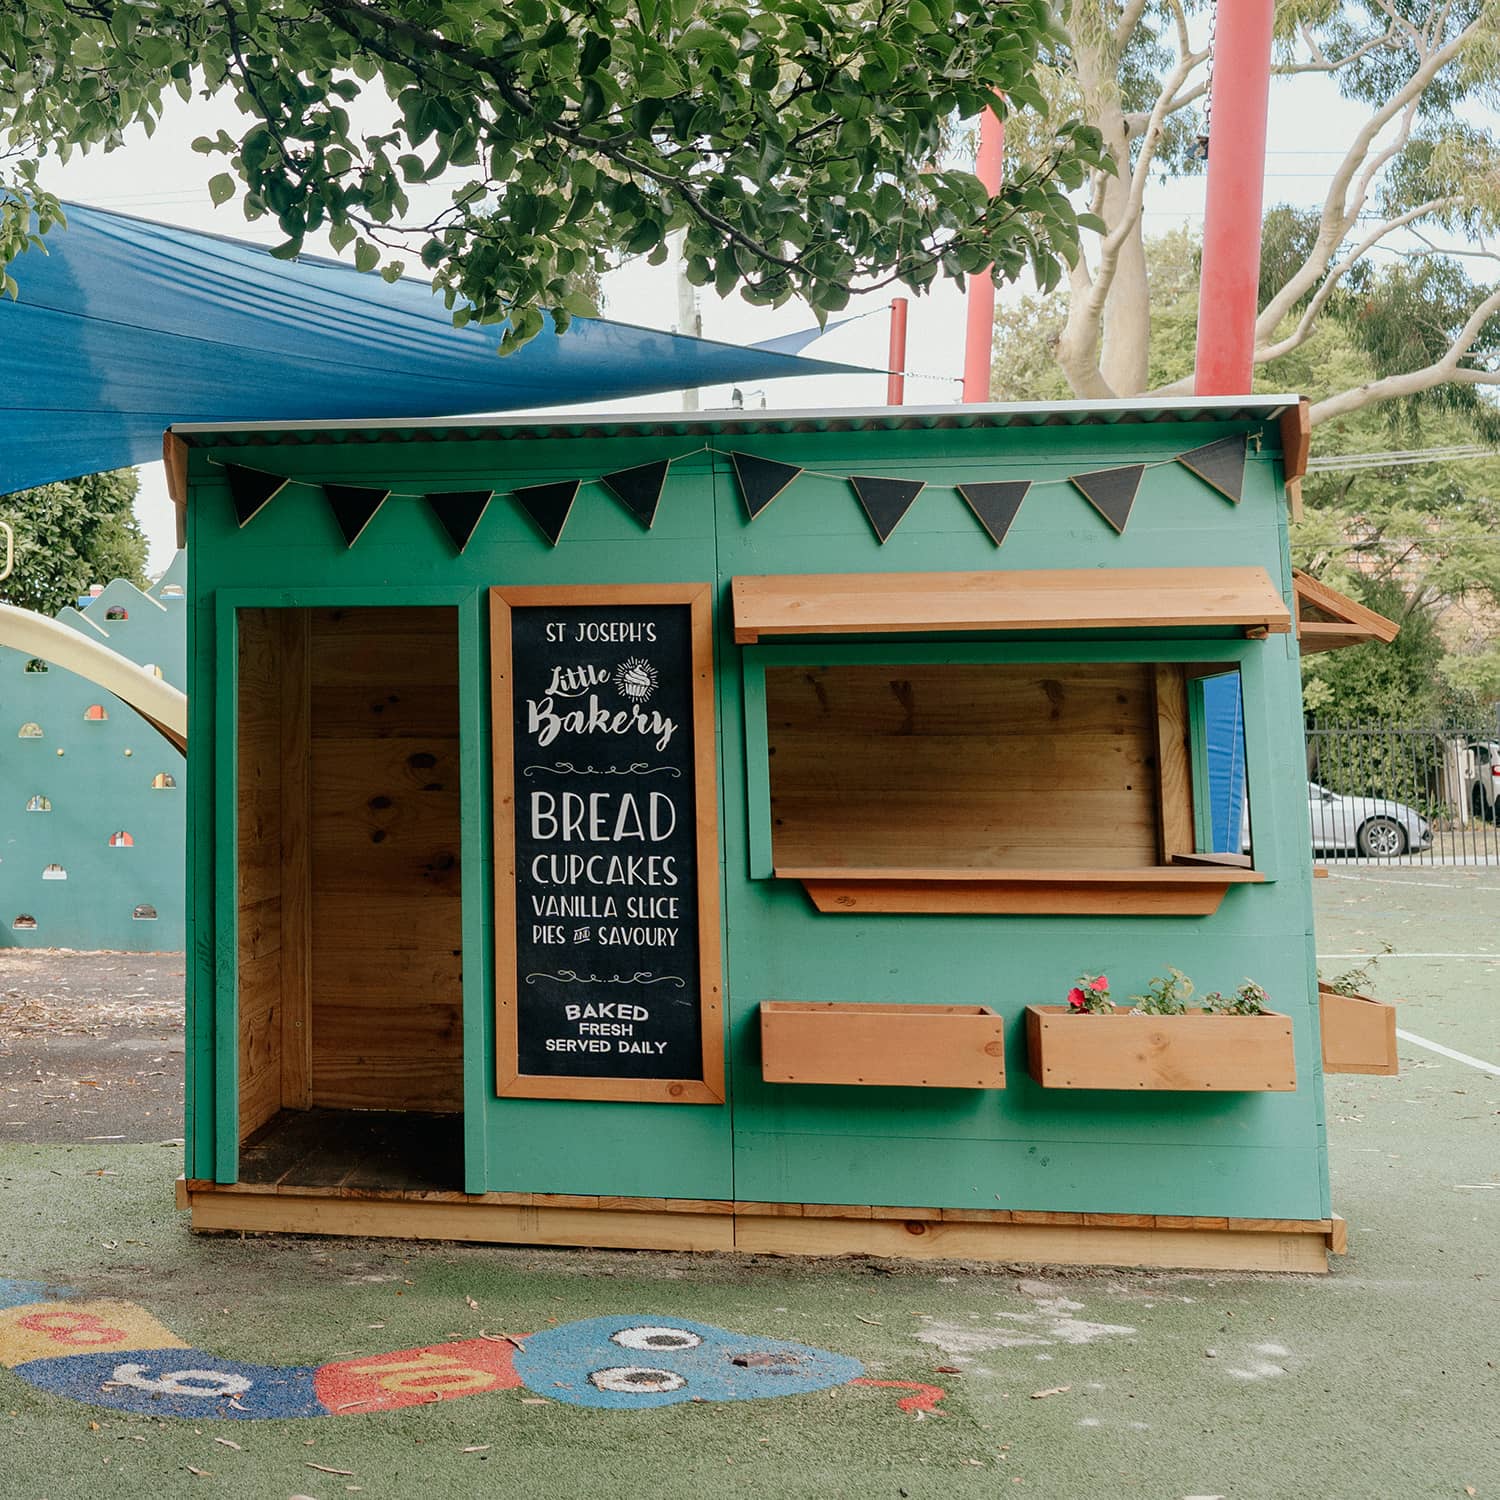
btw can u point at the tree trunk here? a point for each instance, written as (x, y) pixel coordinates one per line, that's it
(1125, 361)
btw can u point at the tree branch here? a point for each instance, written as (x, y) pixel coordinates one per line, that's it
(1337, 217)
(1129, 20)
(1109, 249)
(1446, 370)
(1336, 273)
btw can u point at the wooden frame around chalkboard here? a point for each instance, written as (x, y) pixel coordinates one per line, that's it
(510, 1082)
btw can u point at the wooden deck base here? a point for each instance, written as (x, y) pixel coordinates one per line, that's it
(770, 1228)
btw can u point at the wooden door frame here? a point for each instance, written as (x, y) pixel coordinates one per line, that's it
(228, 602)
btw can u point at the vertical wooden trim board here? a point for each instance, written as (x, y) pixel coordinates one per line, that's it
(296, 863)
(1174, 768)
(258, 909)
(510, 1082)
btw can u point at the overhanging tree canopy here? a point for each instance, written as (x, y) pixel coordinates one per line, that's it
(514, 147)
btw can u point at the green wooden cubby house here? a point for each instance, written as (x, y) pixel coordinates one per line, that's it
(669, 831)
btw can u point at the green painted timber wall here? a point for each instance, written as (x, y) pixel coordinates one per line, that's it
(1023, 1147)
(59, 868)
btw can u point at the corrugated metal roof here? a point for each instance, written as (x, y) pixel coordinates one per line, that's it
(1143, 409)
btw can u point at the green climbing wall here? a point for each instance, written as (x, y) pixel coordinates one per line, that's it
(92, 799)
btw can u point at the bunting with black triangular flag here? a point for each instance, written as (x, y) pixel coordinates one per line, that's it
(548, 505)
(458, 513)
(250, 491)
(639, 489)
(1110, 491)
(885, 501)
(1220, 465)
(995, 505)
(761, 479)
(353, 508)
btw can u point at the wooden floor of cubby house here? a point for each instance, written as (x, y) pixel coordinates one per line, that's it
(345, 1149)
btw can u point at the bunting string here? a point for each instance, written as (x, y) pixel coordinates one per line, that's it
(885, 499)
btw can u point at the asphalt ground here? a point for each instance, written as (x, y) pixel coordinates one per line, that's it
(1379, 1380)
(91, 1046)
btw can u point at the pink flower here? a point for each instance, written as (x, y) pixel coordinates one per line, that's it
(1100, 986)
(1077, 999)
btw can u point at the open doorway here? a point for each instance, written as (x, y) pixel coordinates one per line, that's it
(348, 897)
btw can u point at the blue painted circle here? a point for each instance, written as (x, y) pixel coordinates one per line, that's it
(631, 1362)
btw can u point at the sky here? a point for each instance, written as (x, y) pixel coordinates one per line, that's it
(162, 178)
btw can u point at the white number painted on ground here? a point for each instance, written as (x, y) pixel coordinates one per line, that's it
(209, 1383)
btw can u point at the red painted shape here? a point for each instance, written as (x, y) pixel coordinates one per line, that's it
(925, 1399)
(63, 1327)
(979, 326)
(1229, 283)
(417, 1377)
(895, 380)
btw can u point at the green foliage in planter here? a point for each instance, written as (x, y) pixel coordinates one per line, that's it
(1169, 996)
(1355, 981)
(1249, 1000)
(1164, 997)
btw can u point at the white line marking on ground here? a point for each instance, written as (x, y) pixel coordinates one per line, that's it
(1382, 956)
(1421, 885)
(1463, 1057)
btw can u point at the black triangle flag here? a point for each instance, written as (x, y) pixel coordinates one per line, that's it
(353, 508)
(1111, 491)
(639, 489)
(1220, 465)
(886, 501)
(995, 504)
(548, 505)
(251, 490)
(761, 479)
(458, 513)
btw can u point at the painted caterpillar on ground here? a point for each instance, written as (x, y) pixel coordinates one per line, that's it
(115, 1354)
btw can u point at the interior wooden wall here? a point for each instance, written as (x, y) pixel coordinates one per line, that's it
(1051, 766)
(386, 938)
(258, 894)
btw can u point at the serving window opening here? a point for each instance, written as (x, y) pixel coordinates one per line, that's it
(989, 779)
(349, 963)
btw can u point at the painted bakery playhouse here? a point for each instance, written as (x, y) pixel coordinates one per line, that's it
(687, 833)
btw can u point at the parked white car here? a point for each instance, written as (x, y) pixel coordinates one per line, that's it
(1375, 827)
(1484, 779)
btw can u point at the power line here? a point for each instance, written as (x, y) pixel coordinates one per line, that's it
(1399, 458)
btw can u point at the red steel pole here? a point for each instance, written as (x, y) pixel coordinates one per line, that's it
(895, 381)
(1229, 284)
(979, 326)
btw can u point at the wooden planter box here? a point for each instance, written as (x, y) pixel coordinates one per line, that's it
(1223, 1053)
(914, 1046)
(1359, 1034)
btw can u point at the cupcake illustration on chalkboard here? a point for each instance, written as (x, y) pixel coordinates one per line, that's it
(636, 679)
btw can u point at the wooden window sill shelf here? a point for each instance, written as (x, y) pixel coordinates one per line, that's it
(1153, 891)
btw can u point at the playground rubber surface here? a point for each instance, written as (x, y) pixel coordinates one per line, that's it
(1379, 1380)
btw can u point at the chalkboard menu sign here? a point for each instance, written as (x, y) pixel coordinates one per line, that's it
(606, 850)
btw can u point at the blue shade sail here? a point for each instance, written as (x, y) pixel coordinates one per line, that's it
(124, 327)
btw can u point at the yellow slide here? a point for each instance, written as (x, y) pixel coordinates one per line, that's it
(161, 705)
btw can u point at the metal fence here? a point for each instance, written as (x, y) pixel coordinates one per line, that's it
(1401, 796)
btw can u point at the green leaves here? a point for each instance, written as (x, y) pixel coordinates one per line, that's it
(68, 535)
(792, 140)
